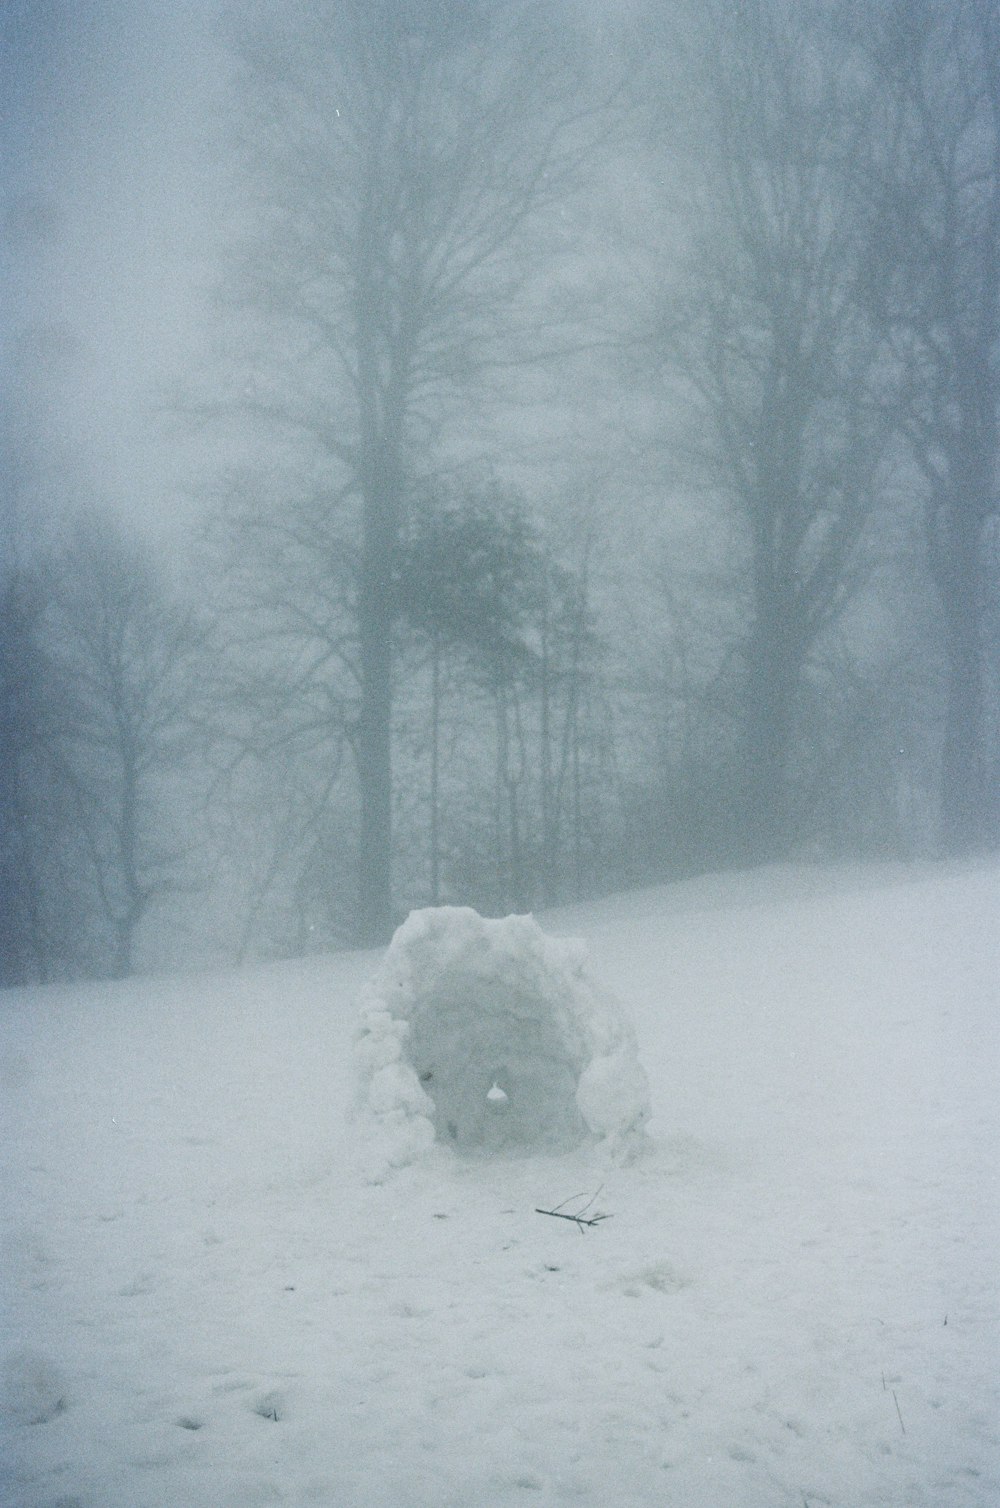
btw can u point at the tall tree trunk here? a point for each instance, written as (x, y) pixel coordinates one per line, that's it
(436, 774)
(550, 839)
(510, 763)
(955, 559)
(374, 760)
(577, 811)
(772, 685)
(381, 493)
(128, 914)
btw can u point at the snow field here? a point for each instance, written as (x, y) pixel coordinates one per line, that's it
(206, 1305)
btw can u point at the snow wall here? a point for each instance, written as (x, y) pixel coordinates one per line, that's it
(490, 1037)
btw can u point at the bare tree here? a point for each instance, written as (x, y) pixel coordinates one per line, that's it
(125, 651)
(93, 733)
(276, 700)
(42, 927)
(403, 166)
(935, 290)
(763, 345)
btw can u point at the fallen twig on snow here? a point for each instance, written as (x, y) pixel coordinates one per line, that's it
(576, 1219)
(581, 1218)
(896, 1402)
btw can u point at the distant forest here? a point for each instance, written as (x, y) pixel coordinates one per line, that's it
(609, 489)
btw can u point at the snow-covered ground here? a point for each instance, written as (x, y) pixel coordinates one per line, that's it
(794, 1301)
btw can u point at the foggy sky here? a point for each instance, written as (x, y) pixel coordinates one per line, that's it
(108, 242)
(111, 239)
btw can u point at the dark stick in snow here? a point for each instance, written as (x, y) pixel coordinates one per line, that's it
(898, 1411)
(580, 1219)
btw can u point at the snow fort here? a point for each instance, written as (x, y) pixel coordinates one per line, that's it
(488, 1037)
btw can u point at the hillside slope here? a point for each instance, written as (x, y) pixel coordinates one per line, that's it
(794, 1300)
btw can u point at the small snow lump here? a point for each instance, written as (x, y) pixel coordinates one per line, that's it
(488, 1036)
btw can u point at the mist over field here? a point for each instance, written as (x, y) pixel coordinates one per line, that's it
(486, 454)
(499, 753)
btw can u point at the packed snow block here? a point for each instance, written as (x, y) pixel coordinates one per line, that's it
(489, 1036)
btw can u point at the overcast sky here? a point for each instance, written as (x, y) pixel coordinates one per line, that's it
(110, 237)
(107, 232)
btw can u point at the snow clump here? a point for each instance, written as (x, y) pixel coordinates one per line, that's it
(488, 1036)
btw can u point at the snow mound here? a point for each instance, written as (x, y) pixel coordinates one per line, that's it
(489, 1036)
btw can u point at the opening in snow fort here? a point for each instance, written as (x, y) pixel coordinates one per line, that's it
(489, 1036)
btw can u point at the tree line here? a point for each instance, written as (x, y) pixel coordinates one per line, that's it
(617, 493)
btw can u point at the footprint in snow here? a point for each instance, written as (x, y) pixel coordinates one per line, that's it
(271, 1406)
(658, 1278)
(141, 1284)
(32, 1388)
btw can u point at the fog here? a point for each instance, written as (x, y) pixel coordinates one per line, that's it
(486, 454)
(113, 154)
